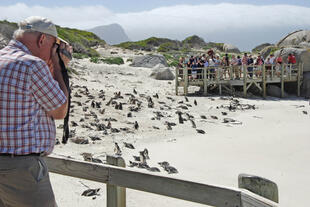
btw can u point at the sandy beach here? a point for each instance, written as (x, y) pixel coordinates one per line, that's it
(270, 141)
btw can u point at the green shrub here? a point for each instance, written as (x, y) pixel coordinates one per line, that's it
(110, 61)
(79, 55)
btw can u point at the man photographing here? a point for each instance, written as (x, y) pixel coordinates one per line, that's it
(32, 95)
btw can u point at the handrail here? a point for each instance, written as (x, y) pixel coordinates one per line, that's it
(162, 185)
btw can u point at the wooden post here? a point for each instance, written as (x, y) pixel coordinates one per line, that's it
(116, 196)
(205, 81)
(282, 80)
(264, 80)
(185, 81)
(298, 79)
(245, 80)
(176, 80)
(260, 186)
(272, 71)
(218, 72)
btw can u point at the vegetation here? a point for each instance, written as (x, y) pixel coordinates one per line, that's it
(171, 60)
(81, 41)
(110, 61)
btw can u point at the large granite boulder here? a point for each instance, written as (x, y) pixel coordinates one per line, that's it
(297, 38)
(258, 48)
(149, 61)
(302, 56)
(230, 48)
(305, 88)
(162, 73)
(274, 91)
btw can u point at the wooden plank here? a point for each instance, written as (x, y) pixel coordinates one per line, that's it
(264, 80)
(249, 199)
(175, 188)
(185, 72)
(84, 170)
(282, 81)
(167, 186)
(116, 196)
(244, 80)
(205, 81)
(176, 80)
(299, 79)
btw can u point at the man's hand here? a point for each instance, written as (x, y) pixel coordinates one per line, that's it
(62, 48)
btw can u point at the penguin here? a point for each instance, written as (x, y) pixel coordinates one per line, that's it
(109, 125)
(195, 102)
(117, 149)
(93, 104)
(128, 145)
(193, 123)
(134, 91)
(181, 121)
(120, 106)
(170, 169)
(200, 131)
(163, 164)
(186, 99)
(136, 125)
(146, 153)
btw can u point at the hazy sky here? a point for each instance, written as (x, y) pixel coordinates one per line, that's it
(243, 23)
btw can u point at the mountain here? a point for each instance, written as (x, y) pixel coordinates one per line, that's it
(112, 34)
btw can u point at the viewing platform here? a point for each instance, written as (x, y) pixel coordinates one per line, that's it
(228, 77)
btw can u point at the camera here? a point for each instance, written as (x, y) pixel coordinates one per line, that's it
(63, 51)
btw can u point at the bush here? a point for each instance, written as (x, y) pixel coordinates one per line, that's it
(110, 61)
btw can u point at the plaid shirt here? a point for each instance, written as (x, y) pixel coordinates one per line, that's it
(27, 92)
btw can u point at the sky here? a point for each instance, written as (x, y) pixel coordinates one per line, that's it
(243, 23)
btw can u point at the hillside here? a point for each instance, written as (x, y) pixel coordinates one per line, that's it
(112, 34)
(82, 41)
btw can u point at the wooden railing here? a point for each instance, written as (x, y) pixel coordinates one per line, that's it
(245, 75)
(117, 179)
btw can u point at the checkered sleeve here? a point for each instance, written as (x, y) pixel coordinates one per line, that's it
(44, 88)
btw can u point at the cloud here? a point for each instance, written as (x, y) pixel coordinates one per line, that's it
(241, 24)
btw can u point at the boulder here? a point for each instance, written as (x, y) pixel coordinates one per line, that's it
(260, 47)
(162, 73)
(295, 39)
(149, 61)
(275, 91)
(267, 51)
(230, 48)
(302, 56)
(305, 88)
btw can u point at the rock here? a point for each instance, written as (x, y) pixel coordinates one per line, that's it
(258, 48)
(275, 91)
(162, 74)
(297, 38)
(267, 51)
(149, 61)
(302, 56)
(305, 89)
(230, 48)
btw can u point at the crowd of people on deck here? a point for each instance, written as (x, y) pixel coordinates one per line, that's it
(227, 66)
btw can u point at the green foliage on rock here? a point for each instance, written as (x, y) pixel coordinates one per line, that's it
(81, 41)
(171, 60)
(110, 61)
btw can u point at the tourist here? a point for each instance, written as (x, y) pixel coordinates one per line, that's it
(235, 67)
(250, 63)
(259, 62)
(31, 99)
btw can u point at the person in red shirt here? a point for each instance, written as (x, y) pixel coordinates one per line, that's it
(291, 59)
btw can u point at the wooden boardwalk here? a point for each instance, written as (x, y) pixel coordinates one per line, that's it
(209, 78)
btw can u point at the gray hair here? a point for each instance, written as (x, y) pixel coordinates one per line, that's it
(20, 32)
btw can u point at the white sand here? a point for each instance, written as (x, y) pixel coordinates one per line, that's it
(273, 141)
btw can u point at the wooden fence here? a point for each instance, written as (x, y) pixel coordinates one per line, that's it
(118, 178)
(246, 75)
